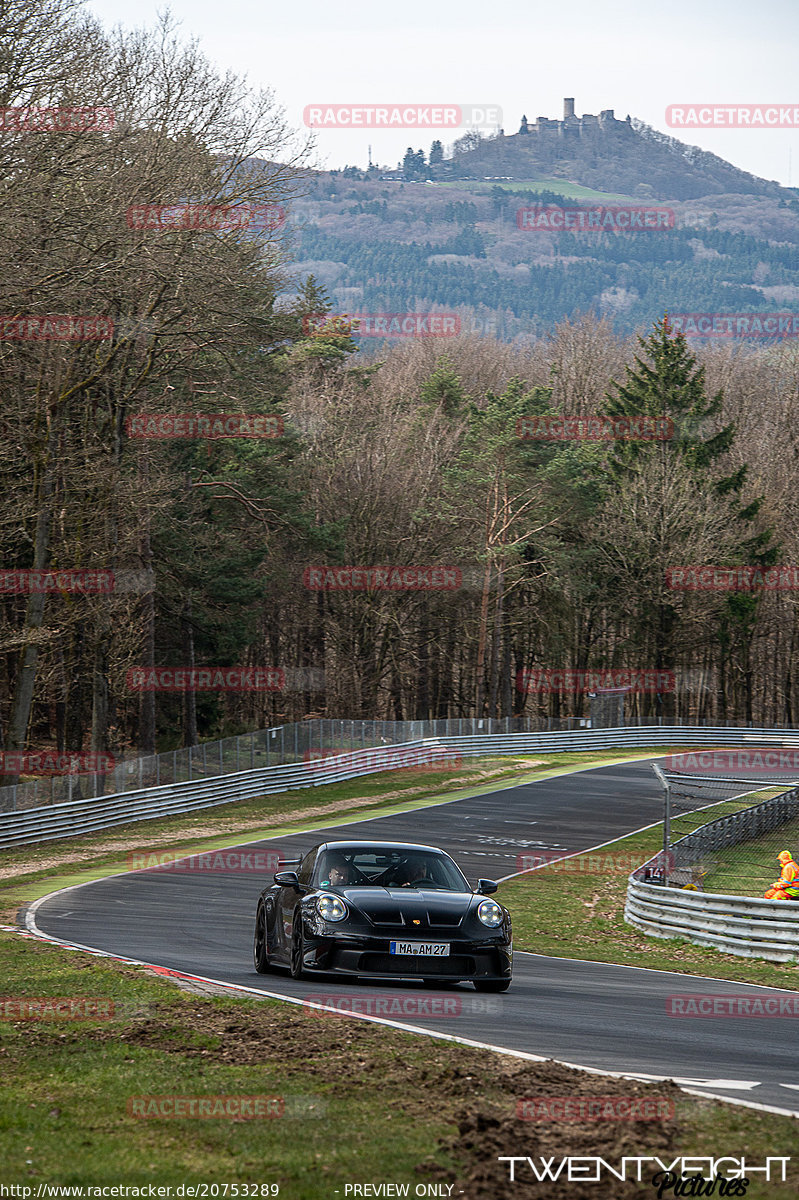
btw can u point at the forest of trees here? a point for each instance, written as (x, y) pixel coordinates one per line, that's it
(407, 458)
(632, 279)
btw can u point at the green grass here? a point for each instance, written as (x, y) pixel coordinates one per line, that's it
(562, 187)
(67, 1086)
(362, 1102)
(751, 868)
(578, 912)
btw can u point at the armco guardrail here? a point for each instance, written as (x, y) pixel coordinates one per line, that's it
(278, 746)
(738, 924)
(74, 817)
(87, 816)
(743, 925)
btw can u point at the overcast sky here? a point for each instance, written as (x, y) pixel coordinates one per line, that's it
(521, 55)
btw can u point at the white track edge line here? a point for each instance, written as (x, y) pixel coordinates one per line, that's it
(526, 1056)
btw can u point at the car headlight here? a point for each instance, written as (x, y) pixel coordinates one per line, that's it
(331, 908)
(490, 913)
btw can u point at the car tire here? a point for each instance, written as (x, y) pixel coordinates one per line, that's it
(297, 947)
(491, 985)
(260, 951)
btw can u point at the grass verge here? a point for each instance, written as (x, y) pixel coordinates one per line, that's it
(750, 869)
(360, 1103)
(575, 909)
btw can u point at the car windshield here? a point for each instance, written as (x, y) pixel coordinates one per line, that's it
(385, 866)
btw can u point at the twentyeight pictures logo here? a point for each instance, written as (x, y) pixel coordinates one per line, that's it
(675, 1175)
(402, 116)
(382, 324)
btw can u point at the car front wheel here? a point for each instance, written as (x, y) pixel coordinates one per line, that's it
(297, 947)
(260, 953)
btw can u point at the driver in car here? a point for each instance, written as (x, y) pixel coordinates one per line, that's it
(338, 874)
(417, 873)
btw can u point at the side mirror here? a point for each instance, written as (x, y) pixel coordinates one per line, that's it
(287, 879)
(484, 887)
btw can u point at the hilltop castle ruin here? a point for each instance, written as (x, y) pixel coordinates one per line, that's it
(572, 126)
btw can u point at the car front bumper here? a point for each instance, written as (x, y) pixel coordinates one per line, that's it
(489, 959)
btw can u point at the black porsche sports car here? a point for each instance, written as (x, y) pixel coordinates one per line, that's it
(383, 909)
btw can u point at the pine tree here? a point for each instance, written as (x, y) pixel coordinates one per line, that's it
(673, 484)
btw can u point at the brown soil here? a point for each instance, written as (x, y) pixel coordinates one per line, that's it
(474, 1091)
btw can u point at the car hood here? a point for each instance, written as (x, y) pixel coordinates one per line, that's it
(389, 905)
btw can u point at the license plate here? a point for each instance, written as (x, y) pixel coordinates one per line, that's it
(427, 949)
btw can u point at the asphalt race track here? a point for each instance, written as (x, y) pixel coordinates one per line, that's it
(590, 1014)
